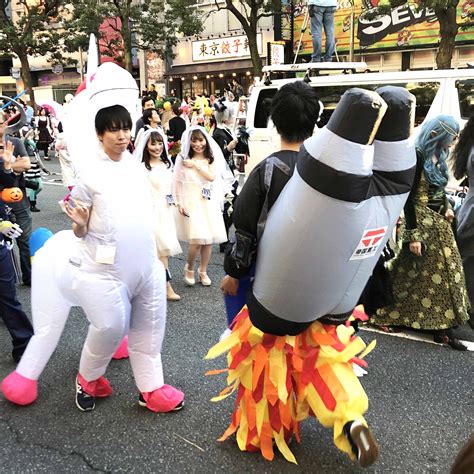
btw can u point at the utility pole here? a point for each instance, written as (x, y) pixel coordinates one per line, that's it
(351, 39)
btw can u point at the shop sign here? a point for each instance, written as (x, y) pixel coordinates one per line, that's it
(277, 53)
(219, 49)
(15, 72)
(57, 69)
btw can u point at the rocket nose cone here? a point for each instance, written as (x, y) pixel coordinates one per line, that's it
(357, 115)
(399, 120)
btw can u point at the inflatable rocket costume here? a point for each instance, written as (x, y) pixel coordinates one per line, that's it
(112, 272)
(292, 347)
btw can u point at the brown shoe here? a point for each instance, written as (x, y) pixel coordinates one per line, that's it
(170, 293)
(363, 443)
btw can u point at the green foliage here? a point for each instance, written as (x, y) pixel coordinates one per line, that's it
(152, 26)
(34, 32)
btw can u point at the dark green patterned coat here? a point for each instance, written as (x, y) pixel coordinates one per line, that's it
(429, 291)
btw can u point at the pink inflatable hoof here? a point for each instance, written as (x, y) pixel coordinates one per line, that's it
(19, 390)
(162, 400)
(97, 388)
(122, 350)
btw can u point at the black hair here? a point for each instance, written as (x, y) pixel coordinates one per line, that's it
(463, 149)
(146, 99)
(114, 117)
(220, 105)
(176, 109)
(155, 137)
(207, 151)
(294, 111)
(147, 115)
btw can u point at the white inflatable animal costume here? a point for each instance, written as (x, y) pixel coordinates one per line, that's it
(112, 272)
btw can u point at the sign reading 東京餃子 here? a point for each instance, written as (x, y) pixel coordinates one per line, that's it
(407, 26)
(218, 49)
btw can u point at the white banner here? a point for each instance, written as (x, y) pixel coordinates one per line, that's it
(217, 49)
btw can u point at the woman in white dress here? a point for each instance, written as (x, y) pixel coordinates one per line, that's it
(152, 151)
(200, 186)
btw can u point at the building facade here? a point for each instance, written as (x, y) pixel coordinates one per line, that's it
(208, 62)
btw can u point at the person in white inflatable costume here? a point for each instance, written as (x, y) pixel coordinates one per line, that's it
(292, 347)
(107, 264)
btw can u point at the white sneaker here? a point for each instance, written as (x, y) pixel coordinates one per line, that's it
(225, 334)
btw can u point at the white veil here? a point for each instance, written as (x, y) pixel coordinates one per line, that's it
(224, 179)
(138, 152)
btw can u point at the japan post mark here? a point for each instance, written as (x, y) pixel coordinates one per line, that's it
(369, 243)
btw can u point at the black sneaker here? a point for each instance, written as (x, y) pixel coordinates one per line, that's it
(142, 403)
(84, 401)
(452, 342)
(362, 442)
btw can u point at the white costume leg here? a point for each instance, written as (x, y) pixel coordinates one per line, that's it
(107, 306)
(51, 272)
(50, 312)
(147, 329)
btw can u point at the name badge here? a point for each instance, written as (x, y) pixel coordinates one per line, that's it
(206, 193)
(105, 254)
(170, 200)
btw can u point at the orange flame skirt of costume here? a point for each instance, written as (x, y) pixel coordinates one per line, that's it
(281, 380)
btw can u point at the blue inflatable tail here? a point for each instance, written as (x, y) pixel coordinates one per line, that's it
(38, 239)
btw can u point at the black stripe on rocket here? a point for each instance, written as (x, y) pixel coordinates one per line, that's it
(352, 187)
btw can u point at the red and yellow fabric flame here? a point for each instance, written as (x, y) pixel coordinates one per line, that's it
(281, 380)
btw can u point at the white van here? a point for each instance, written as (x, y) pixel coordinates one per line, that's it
(441, 91)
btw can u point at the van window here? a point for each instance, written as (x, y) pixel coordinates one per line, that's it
(466, 97)
(330, 95)
(262, 111)
(424, 92)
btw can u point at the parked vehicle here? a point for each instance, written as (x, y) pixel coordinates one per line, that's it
(440, 91)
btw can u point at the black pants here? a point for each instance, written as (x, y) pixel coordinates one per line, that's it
(13, 316)
(23, 218)
(468, 265)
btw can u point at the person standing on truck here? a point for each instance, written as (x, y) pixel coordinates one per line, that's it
(321, 13)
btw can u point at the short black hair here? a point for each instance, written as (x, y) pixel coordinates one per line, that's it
(146, 117)
(295, 111)
(112, 117)
(146, 99)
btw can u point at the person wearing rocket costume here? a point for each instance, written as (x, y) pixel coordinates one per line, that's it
(292, 347)
(108, 264)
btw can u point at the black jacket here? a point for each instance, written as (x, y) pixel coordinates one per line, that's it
(223, 137)
(256, 199)
(177, 126)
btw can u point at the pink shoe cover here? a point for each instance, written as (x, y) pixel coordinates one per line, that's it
(163, 399)
(18, 389)
(122, 350)
(97, 388)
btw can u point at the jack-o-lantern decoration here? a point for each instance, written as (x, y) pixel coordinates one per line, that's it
(12, 195)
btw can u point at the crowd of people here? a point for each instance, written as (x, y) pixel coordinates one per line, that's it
(185, 150)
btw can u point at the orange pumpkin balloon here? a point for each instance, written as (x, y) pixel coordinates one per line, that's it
(12, 195)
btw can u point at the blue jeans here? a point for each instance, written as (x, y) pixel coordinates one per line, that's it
(323, 16)
(233, 304)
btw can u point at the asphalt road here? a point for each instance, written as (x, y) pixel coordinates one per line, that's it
(421, 400)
